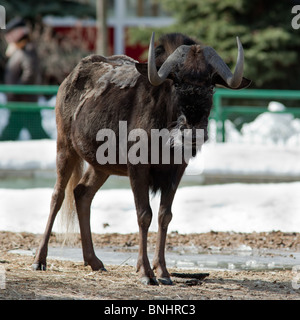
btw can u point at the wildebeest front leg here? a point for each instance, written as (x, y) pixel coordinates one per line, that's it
(140, 187)
(84, 194)
(164, 218)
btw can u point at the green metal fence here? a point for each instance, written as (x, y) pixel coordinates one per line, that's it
(27, 89)
(221, 110)
(25, 114)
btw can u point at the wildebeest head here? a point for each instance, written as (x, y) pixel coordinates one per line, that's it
(195, 70)
(192, 62)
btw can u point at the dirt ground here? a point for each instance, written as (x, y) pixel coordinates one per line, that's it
(70, 280)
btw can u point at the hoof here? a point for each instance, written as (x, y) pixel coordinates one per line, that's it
(165, 281)
(149, 281)
(96, 265)
(38, 266)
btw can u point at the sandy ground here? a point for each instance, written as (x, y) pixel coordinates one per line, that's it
(70, 280)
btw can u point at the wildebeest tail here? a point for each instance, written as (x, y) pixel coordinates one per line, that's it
(68, 213)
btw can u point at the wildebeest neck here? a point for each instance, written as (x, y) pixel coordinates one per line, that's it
(194, 102)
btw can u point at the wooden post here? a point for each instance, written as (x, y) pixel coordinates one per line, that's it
(102, 42)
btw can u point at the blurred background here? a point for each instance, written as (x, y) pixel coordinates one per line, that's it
(64, 31)
(254, 134)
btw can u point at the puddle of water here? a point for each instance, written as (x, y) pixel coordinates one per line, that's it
(243, 258)
(187, 258)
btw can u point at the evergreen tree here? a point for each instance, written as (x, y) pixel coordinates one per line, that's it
(270, 43)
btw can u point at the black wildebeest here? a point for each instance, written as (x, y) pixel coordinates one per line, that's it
(173, 90)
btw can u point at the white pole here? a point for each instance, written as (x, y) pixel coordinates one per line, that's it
(119, 36)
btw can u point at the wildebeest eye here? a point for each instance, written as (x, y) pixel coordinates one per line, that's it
(159, 50)
(174, 76)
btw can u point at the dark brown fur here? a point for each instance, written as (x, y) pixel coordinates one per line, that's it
(85, 105)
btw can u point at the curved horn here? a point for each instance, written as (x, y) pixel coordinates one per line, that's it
(232, 80)
(157, 78)
(153, 76)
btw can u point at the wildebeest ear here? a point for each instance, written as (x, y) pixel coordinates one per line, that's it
(217, 80)
(142, 68)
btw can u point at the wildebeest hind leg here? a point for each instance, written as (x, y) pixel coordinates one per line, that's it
(84, 194)
(66, 162)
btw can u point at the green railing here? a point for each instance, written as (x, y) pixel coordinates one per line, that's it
(220, 114)
(27, 89)
(25, 114)
(222, 111)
